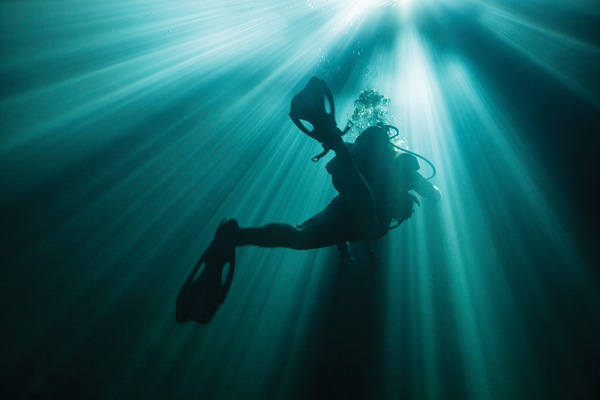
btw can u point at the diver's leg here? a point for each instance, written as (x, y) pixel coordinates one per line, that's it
(346, 258)
(343, 249)
(357, 192)
(277, 235)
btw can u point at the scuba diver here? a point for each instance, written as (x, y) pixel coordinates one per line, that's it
(373, 179)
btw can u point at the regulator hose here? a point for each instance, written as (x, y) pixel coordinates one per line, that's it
(388, 127)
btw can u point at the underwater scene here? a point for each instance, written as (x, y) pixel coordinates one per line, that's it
(177, 199)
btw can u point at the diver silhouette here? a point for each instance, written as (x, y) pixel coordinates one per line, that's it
(372, 177)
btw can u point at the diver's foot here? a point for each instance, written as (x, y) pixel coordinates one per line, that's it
(222, 247)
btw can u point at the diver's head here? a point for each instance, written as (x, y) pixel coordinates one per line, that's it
(375, 134)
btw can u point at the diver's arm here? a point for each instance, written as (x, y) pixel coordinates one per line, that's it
(334, 163)
(424, 188)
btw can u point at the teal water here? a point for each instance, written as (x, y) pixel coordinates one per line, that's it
(129, 129)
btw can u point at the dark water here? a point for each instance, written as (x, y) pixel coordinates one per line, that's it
(128, 130)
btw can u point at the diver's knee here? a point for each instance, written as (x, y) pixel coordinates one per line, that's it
(297, 237)
(305, 238)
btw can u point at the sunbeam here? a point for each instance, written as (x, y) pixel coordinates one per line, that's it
(130, 129)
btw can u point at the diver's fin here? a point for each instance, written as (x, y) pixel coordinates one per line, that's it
(204, 291)
(309, 106)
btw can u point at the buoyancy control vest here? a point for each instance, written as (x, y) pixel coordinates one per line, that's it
(389, 175)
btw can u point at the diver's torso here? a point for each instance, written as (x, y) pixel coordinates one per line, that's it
(390, 181)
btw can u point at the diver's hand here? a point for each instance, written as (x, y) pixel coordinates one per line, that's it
(426, 189)
(435, 194)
